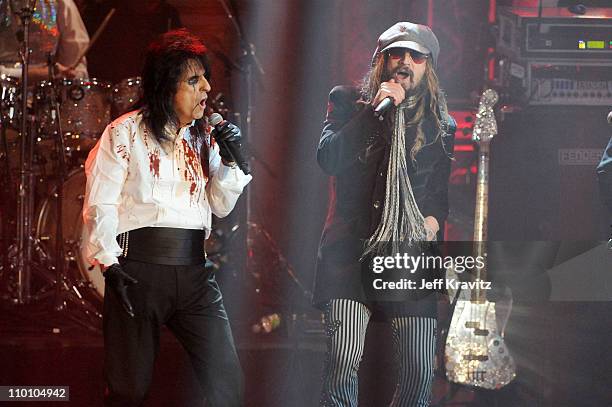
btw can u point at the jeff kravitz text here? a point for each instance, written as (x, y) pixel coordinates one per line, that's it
(437, 284)
(404, 262)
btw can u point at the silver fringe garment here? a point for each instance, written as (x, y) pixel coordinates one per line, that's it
(401, 222)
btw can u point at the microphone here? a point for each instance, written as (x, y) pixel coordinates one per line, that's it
(610, 118)
(216, 120)
(383, 106)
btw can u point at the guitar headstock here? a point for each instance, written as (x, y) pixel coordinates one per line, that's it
(485, 127)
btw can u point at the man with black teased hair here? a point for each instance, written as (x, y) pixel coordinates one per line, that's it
(154, 180)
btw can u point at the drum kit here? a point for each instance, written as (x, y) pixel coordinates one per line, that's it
(86, 107)
(81, 108)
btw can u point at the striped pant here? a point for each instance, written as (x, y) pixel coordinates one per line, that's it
(414, 340)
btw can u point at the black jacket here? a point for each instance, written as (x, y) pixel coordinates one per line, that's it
(354, 151)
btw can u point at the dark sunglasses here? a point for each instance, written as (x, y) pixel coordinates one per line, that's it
(398, 53)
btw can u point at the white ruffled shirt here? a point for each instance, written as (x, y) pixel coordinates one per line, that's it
(134, 182)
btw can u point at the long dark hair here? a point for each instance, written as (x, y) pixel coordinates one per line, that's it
(427, 98)
(166, 60)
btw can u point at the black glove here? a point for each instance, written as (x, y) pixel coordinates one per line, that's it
(118, 280)
(228, 137)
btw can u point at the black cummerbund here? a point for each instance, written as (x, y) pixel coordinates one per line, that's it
(169, 246)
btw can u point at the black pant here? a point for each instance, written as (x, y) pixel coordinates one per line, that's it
(187, 299)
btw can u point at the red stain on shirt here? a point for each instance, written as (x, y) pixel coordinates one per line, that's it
(193, 169)
(191, 161)
(154, 163)
(122, 152)
(145, 137)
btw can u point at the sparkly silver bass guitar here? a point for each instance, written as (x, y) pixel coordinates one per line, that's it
(475, 352)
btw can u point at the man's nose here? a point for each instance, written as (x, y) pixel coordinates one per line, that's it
(205, 87)
(407, 59)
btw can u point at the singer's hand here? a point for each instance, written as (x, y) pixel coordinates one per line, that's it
(118, 280)
(390, 89)
(226, 135)
(431, 227)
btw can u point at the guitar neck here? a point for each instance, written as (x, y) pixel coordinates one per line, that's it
(481, 216)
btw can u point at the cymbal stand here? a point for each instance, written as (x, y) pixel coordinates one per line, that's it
(279, 261)
(25, 196)
(20, 254)
(5, 190)
(64, 288)
(6, 179)
(27, 244)
(248, 65)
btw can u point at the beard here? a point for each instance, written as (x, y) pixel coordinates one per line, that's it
(405, 77)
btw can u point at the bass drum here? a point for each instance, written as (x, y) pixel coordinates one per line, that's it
(74, 192)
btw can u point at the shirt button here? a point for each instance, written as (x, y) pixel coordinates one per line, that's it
(376, 204)
(381, 174)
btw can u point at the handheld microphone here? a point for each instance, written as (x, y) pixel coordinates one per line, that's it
(216, 120)
(610, 118)
(383, 106)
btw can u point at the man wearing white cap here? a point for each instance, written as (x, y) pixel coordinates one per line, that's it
(387, 146)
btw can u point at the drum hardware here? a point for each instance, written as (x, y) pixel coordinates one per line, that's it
(82, 274)
(6, 170)
(59, 242)
(250, 66)
(66, 290)
(28, 257)
(72, 113)
(265, 263)
(9, 101)
(268, 277)
(76, 93)
(24, 206)
(268, 269)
